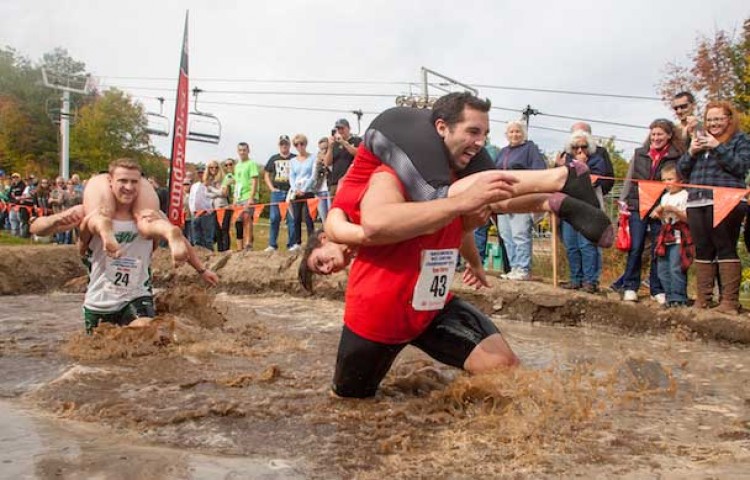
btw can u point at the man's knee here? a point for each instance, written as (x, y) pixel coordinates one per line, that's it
(492, 353)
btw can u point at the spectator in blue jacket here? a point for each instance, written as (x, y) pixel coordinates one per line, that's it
(584, 257)
(516, 228)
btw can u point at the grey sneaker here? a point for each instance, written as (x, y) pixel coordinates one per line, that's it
(295, 247)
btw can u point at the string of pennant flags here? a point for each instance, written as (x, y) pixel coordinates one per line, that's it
(312, 207)
(649, 191)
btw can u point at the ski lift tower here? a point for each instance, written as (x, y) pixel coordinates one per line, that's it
(67, 84)
(436, 81)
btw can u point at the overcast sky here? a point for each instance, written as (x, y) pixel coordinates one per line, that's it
(586, 46)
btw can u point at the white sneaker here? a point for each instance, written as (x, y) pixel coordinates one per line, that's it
(660, 298)
(269, 249)
(630, 296)
(507, 276)
(295, 247)
(519, 275)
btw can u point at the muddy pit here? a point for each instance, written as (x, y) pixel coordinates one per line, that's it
(241, 390)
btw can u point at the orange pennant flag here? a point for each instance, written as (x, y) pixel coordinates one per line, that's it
(39, 211)
(725, 199)
(220, 213)
(312, 207)
(256, 213)
(283, 207)
(649, 192)
(237, 210)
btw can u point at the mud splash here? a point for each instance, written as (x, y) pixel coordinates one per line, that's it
(586, 404)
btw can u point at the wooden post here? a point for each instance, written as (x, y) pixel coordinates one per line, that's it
(553, 221)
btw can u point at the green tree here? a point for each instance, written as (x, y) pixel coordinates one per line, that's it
(110, 127)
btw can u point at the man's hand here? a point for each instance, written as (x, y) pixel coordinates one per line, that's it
(59, 222)
(475, 277)
(210, 277)
(692, 122)
(486, 188)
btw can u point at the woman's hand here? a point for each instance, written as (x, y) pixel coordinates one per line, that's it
(709, 141)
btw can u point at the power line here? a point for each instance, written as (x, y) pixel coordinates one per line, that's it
(568, 92)
(268, 92)
(280, 107)
(561, 130)
(387, 82)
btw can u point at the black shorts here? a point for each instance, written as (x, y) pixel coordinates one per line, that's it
(138, 308)
(362, 364)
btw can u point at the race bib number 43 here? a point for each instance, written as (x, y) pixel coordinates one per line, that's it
(123, 273)
(436, 271)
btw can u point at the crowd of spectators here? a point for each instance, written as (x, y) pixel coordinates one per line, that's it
(707, 150)
(22, 199)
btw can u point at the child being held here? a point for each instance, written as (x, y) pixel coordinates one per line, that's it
(674, 245)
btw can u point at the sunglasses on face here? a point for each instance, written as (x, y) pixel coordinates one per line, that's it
(682, 106)
(575, 148)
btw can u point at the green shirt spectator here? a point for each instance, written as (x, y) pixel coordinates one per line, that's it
(246, 180)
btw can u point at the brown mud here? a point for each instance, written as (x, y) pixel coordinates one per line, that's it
(42, 269)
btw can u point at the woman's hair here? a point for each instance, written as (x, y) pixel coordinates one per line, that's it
(578, 135)
(304, 274)
(675, 137)
(521, 125)
(729, 111)
(299, 138)
(217, 177)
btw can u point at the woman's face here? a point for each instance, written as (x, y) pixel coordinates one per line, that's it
(301, 146)
(717, 121)
(213, 169)
(514, 135)
(659, 138)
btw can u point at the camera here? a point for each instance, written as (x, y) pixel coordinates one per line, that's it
(333, 132)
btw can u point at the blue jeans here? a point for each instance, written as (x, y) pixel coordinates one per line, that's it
(480, 238)
(187, 230)
(204, 230)
(631, 279)
(672, 278)
(323, 205)
(584, 258)
(273, 236)
(515, 228)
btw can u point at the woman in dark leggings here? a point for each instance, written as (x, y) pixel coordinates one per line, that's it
(719, 157)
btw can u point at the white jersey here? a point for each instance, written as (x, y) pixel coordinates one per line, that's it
(115, 282)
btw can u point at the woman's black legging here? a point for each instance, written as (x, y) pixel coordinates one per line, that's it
(715, 243)
(299, 209)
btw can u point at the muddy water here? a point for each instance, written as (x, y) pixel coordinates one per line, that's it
(248, 398)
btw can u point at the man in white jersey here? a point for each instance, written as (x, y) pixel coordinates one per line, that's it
(119, 289)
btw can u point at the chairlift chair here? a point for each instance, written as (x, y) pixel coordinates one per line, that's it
(202, 126)
(158, 123)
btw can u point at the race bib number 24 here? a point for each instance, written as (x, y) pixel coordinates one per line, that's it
(436, 271)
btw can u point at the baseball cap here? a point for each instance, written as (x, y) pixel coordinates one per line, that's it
(284, 139)
(342, 122)
(200, 168)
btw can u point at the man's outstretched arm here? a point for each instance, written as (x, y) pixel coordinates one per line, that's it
(58, 222)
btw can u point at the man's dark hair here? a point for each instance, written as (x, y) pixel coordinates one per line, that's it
(304, 273)
(243, 144)
(686, 94)
(450, 108)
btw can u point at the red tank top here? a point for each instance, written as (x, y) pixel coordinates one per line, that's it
(382, 280)
(353, 185)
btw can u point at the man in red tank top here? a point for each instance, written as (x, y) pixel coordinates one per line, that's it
(398, 289)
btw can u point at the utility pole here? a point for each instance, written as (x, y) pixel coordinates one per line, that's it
(359, 114)
(66, 90)
(527, 113)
